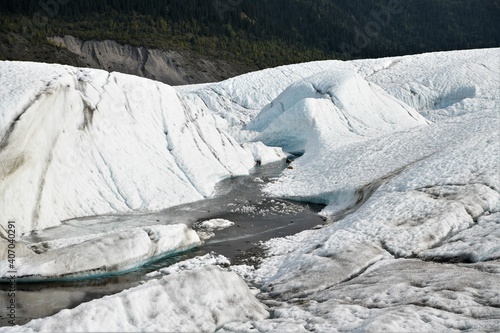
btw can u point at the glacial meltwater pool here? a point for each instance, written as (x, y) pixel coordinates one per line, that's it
(256, 218)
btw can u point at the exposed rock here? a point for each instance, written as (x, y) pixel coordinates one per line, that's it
(171, 67)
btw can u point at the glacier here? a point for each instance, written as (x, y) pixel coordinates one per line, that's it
(75, 143)
(404, 153)
(197, 300)
(100, 254)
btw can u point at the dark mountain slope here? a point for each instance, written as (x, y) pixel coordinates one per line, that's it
(260, 33)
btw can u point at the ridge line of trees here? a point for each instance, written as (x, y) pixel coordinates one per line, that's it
(263, 33)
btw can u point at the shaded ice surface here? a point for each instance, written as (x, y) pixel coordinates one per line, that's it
(75, 144)
(103, 253)
(422, 251)
(197, 300)
(439, 85)
(407, 146)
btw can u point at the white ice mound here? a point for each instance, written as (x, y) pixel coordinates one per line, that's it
(336, 105)
(215, 224)
(442, 84)
(80, 142)
(340, 176)
(206, 229)
(263, 154)
(199, 300)
(239, 99)
(438, 200)
(102, 254)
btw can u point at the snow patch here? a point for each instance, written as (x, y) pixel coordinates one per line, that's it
(263, 154)
(206, 229)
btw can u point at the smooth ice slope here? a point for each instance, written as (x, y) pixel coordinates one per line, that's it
(199, 300)
(85, 142)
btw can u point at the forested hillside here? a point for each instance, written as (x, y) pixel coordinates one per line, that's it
(260, 33)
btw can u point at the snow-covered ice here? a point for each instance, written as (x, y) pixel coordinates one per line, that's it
(239, 99)
(206, 229)
(86, 142)
(420, 250)
(101, 254)
(322, 108)
(198, 300)
(441, 84)
(410, 146)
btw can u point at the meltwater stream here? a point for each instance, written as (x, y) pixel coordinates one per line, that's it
(256, 218)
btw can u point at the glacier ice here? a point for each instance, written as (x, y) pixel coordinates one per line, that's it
(428, 193)
(409, 145)
(440, 84)
(87, 142)
(101, 254)
(198, 300)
